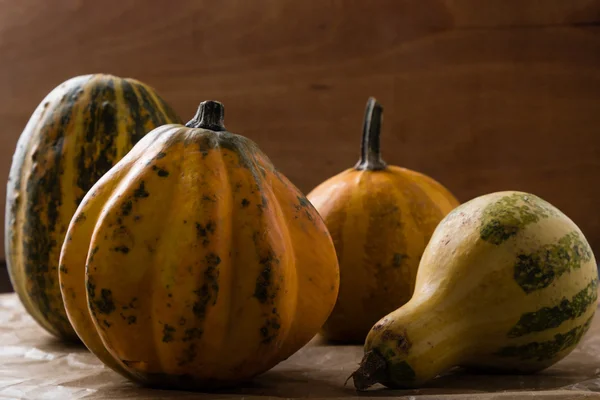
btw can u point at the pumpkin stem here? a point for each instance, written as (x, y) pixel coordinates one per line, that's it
(370, 157)
(210, 115)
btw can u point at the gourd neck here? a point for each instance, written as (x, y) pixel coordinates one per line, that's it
(370, 157)
(422, 345)
(210, 115)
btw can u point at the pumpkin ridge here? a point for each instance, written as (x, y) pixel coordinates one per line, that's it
(16, 210)
(96, 157)
(136, 127)
(155, 282)
(348, 233)
(227, 261)
(129, 183)
(419, 195)
(247, 152)
(148, 103)
(166, 113)
(165, 359)
(146, 117)
(273, 321)
(44, 203)
(106, 188)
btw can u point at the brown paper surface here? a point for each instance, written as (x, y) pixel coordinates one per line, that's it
(34, 365)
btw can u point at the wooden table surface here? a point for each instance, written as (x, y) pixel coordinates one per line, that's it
(34, 365)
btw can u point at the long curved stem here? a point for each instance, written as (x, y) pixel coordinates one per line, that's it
(370, 158)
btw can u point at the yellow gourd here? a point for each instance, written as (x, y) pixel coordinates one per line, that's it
(507, 283)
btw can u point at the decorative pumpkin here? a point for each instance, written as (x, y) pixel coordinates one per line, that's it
(508, 283)
(76, 134)
(194, 263)
(381, 218)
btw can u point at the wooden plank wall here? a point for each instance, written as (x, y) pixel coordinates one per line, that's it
(483, 95)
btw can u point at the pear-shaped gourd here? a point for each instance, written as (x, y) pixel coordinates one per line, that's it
(194, 263)
(507, 283)
(380, 217)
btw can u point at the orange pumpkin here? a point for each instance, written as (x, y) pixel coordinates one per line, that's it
(194, 263)
(381, 217)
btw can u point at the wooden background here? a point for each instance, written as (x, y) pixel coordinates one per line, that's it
(483, 95)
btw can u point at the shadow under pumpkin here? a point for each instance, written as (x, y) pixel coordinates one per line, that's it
(5, 286)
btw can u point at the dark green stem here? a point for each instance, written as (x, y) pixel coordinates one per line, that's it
(210, 115)
(370, 157)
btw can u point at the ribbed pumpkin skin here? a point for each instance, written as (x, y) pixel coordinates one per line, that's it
(203, 265)
(380, 218)
(380, 222)
(507, 283)
(76, 134)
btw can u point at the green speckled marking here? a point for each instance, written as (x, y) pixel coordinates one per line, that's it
(105, 304)
(99, 151)
(510, 214)
(401, 372)
(397, 261)
(40, 237)
(270, 329)
(551, 317)
(168, 332)
(204, 231)
(249, 154)
(141, 191)
(126, 207)
(91, 288)
(80, 218)
(209, 291)
(121, 249)
(264, 290)
(163, 173)
(537, 270)
(93, 253)
(188, 355)
(192, 334)
(541, 351)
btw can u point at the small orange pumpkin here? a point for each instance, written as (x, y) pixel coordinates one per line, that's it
(381, 217)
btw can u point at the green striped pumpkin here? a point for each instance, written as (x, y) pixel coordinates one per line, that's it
(508, 283)
(76, 134)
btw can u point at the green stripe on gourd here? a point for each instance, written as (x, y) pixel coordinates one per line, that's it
(552, 317)
(401, 372)
(510, 214)
(549, 349)
(539, 269)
